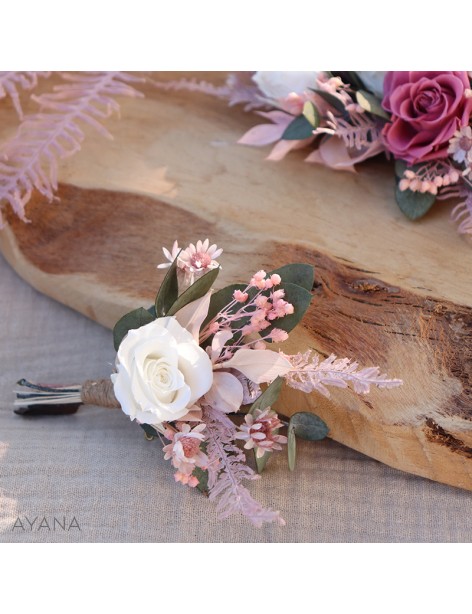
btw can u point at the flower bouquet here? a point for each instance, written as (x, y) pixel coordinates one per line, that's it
(419, 119)
(198, 371)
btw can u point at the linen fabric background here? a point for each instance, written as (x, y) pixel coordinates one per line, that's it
(95, 466)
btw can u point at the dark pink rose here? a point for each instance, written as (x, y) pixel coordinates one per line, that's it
(427, 108)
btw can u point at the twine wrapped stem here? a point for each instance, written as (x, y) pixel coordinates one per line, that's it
(100, 393)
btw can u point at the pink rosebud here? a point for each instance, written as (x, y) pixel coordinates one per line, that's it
(240, 297)
(275, 279)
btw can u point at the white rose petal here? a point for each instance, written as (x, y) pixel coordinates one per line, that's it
(226, 394)
(276, 85)
(258, 365)
(191, 316)
(161, 372)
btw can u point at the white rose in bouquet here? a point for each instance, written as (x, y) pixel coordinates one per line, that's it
(276, 85)
(161, 372)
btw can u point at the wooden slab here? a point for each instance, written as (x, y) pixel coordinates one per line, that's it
(388, 292)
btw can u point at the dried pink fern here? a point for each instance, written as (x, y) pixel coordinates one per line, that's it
(361, 132)
(227, 469)
(462, 215)
(10, 81)
(238, 89)
(309, 374)
(192, 85)
(30, 159)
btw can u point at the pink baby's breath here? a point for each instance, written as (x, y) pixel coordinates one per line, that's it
(278, 335)
(240, 297)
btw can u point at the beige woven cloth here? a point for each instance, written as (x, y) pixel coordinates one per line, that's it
(95, 471)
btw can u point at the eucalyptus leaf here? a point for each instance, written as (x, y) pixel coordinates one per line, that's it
(132, 320)
(297, 130)
(202, 477)
(299, 274)
(310, 112)
(195, 291)
(291, 448)
(261, 461)
(414, 204)
(349, 77)
(370, 103)
(149, 430)
(400, 168)
(221, 299)
(268, 397)
(168, 292)
(152, 311)
(308, 426)
(331, 100)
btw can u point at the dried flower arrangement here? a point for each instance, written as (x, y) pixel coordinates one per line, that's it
(421, 119)
(196, 371)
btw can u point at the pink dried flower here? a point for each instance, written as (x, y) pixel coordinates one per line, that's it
(185, 452)
(258, 280)
(240, 297)
(460, 145)
(194, 259)
(275, 279)
(201, 257)
(171, 256)
(261, 301)
(278, 335)
(259, 432)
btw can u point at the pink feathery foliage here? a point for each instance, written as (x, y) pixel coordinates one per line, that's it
(30, 159)
(360, 132)
(242, 90)
(309, 374)
(192, 85)
(238, 89)
(11, 80)
(462, 215)
(227, 469)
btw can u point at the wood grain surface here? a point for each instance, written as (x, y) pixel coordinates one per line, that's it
(387, 291)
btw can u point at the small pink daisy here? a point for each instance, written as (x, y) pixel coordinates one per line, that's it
(200, 258)
(185, 453)
(171, 256)
(259, 432)
(460, 146)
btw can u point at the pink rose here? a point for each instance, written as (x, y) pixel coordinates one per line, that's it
(427, 108)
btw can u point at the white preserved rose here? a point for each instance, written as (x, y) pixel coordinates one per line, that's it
(275, 85)
(161, 372)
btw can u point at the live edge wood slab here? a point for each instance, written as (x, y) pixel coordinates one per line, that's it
(387, 291)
